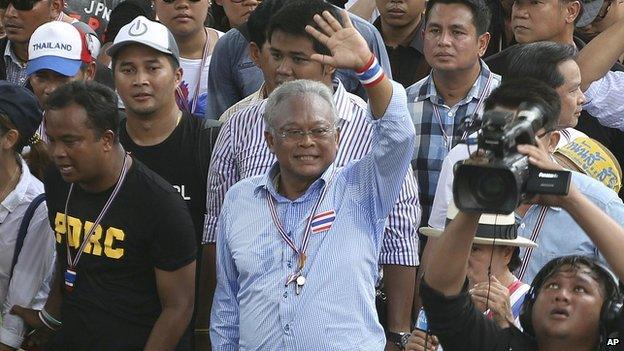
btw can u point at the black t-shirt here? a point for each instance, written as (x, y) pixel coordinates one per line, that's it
(408, 63)
(115, 303)
(182, 159)
(461, 327)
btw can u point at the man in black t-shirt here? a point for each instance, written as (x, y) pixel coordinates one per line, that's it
(172, 143)
(127, 284)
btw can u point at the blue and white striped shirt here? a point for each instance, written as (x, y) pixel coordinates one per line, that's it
(431, 148)
(241, 152)
(253, 310)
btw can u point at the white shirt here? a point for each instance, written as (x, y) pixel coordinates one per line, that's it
(194, 83)
(605, 100)
(30, 284)
(444, 190)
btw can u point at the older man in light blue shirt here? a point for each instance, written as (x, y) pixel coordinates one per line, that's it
(274, 291)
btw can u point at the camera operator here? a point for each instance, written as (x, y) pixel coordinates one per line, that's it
(493, 288)
(554, 230)
(572, 302)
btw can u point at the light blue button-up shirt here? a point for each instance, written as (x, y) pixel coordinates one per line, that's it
(253, 309)
(560, 234)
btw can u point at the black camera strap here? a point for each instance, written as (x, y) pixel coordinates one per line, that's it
(536, 230)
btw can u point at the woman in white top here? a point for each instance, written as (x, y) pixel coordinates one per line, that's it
(27, 282)
(185, 20)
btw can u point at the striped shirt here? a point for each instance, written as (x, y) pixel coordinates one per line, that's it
(431, 148)
(15, 71)
(253, 309)
(241, 152)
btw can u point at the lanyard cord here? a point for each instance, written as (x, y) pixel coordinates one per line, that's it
(122, 176)
(448, 139)
(306, 234)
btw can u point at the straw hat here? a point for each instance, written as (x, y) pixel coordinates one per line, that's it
(501, 227)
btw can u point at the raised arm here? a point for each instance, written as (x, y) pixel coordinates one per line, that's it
(350, 51)
(604, 231)
(596, 59)
(446, 268)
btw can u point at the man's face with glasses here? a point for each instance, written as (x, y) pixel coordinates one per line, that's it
(22, 17)
(303, 138)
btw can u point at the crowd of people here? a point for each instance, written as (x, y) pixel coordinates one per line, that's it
(283, 175)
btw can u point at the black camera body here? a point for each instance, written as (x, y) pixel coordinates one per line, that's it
(506, 178)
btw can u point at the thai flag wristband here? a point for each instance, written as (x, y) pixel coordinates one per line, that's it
(371, 74)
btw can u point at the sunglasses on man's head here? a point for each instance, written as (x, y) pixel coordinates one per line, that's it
(20, 5)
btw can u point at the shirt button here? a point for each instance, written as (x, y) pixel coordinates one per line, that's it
(286, 328)
(450, 113)
(522, 225)
(289, 264)
(285, 294)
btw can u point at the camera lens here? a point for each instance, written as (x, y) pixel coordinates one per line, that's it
(490, 188)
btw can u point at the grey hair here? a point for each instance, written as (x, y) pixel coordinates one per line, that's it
(297, 88)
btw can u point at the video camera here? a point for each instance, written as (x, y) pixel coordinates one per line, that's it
(506, 178)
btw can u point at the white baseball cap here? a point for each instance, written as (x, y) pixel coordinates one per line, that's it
(57, 46)
(143, 31)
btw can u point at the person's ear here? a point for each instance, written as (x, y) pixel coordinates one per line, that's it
(179, 72)
(483, 41)
(508, 253)
(553, 141)
(328, 71)
(56, 7)
(270, 140)
(254, 53)
(9, 139)
(89, 73)
(108, 139)
(573, 10)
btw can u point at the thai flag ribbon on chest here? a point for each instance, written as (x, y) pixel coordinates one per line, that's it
(322, 221)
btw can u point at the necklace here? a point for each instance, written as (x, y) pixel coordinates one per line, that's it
(71, 272)
(180, 95)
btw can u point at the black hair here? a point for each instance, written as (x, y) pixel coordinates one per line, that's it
(99, 102)
(259, 19)
(609, 285)
(124, 13)
(37, 159)
(217, 18)
(515, 262)
(573, 263)
(295, 15)
(512, 93)
(539, 60)
(481, 14)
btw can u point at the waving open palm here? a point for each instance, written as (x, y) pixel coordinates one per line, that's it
(349, 49)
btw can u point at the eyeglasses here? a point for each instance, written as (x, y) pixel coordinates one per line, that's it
(298, 135)
(603, 12)
(20, 5)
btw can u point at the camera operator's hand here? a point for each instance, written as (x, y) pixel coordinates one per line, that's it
(416, 341)
(543, 160)
(497, 301)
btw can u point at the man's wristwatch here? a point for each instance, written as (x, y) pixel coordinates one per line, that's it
(399, 339)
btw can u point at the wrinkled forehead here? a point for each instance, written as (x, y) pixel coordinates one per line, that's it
(580, 273)
(308, 109)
